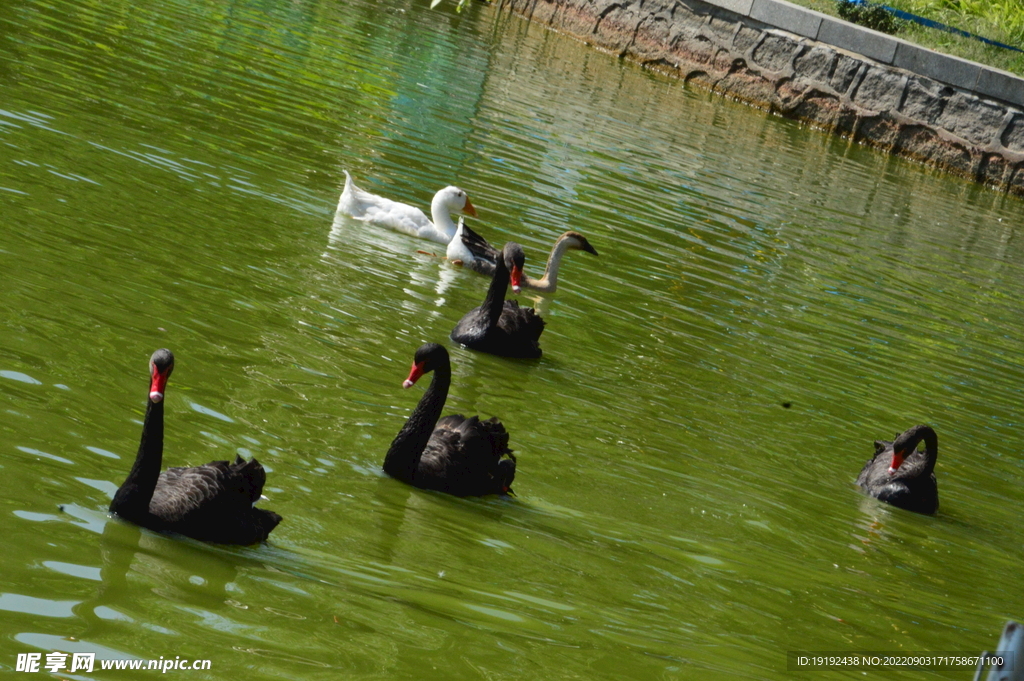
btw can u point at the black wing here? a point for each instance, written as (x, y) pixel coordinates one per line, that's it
(479, 246)
(908, 489)
(521, 322)
(464, 457)
(876, 470)
(471, 328)
(218, 487)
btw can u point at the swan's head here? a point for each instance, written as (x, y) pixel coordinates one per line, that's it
(578, 242)
(455, 200)
(161, 364)
(514, 261)
(903, 446)
(428, 357)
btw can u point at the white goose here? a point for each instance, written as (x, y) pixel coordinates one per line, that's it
(362, 205)
(469, 249)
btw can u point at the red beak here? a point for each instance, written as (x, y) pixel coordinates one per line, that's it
(158, 383)
(897, 461)
(517, 278)
(414, 375)
(469, 209)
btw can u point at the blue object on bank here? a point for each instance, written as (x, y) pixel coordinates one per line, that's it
(900, 14)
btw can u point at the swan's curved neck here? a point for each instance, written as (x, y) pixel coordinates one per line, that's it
(403, 456)
(550, 279)
(133, 497)
(495, 299)
(917, 468)
(442, 217)
(931, 449)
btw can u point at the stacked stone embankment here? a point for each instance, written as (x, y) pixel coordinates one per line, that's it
(947, 112)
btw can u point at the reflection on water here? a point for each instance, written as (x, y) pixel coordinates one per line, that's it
(176, 188)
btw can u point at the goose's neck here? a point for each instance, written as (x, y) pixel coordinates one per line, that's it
(403, 457)
(457, 250)
(549, 282)
(133, 497)
(495, 299)
(442, 217)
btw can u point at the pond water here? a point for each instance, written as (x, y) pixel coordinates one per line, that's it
(168, 178)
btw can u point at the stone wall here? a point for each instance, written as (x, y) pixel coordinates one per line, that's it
(718, 45)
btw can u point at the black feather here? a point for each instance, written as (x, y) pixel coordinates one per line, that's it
(500, 326)
(912, 486)
(213, 502)
(458, 455)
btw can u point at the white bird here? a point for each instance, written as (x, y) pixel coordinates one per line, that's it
(362, 205)
(469, 249)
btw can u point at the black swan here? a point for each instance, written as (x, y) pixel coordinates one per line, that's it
(902, 476)
(458, 455)
(500, 326)
(474, 252)
(214, 503)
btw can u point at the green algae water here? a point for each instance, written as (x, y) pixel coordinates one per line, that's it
(767, 302)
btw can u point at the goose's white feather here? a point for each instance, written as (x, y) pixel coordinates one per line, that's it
(359, 204)
(457, 249)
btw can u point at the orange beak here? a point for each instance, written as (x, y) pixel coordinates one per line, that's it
(470, 209)
(158, 383)
(517, 278)
(414, 375)
(897, 461)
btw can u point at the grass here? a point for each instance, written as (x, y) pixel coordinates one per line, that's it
(1001, 20)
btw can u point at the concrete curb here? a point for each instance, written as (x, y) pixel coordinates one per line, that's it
(985, 80)
(951, 113)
